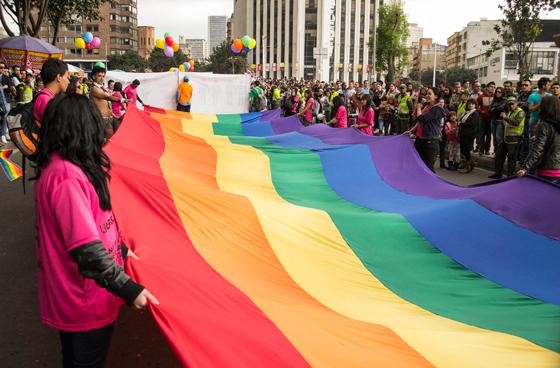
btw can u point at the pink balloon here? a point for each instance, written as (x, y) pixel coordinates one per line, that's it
(168, 51)
(96, 42)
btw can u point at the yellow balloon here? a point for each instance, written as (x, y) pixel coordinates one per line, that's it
(172, 69)
(80, 43)
(182, 68)
(252, 44)
(160, 43)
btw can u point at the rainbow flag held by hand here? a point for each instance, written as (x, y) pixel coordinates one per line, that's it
(11, 169)
(269, 244)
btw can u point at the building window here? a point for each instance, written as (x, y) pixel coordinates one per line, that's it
(542, 62)
(92, 28)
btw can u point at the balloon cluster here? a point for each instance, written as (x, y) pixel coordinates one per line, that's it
(187, 66)
(167, 44)
(246, 43)
(88, 42)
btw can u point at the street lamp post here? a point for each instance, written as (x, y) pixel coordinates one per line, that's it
(435, 63)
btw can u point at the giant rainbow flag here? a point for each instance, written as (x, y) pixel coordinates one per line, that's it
(272, 245)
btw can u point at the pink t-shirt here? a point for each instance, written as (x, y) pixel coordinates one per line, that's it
(41, 103)
(341, 117)
(117, 107)
(366, 117)
(296, 101)
(308, 116)
(68, 215)
(131, 93)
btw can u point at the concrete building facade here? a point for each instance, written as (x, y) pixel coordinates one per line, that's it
(146, 41)
(217, 31)
(312, 39)
(502, 65)
(117, 30)
(194, 48)
(469, 42)
(427, 52)
(415, 33)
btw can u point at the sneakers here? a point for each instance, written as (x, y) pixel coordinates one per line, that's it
(495, 176)
(3, 140)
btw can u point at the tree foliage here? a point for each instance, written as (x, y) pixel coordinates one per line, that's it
(519, 28)
(458, 74)
(158, 62)
(224, 61)
(61, 12)
(392, 54)
(28, 15)
(130, 61)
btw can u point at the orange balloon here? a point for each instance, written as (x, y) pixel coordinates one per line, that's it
(238, 44)
(175, 47)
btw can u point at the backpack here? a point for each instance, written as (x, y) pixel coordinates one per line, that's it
(24, 129)
(261, 102)
(24, 132)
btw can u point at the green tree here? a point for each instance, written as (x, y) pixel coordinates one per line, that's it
(392, 54)
(158, 62)
(62, 12)
(130, 61)
(458, 74)
(224, 61)
(427, 77)
(519, 28)
(28, 15)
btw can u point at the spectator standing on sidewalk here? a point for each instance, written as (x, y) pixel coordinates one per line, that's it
(514, 124)
(544, 156)
(484, 131)
(468, 125)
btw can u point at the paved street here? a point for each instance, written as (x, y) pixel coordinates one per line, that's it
(25, 342)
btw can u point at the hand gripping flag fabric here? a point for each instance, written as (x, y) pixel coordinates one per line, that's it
(273, 245)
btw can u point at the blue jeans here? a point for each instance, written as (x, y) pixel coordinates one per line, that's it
(497, 133)
(484, 135)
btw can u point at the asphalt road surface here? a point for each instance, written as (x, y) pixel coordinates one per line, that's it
(25, 342)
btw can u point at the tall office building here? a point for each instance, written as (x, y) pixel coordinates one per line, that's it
(217, 31)
(194, 48)
(146, 41)
(117, 30)
(312, 39)
(415, 33)
(469, 42)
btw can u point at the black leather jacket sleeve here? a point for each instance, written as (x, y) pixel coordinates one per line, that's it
(543, 134)
(94, 262)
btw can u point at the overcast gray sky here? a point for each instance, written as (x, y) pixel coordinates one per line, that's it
(440, 18)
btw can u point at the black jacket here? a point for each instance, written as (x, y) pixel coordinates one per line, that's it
(498, 106)
(545, 152)
(432, 122)
(468, 128)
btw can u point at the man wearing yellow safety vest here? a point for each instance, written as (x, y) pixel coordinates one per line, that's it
(404, 109)
(25, 89)
(514, 122)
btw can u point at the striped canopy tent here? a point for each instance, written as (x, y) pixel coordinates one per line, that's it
(269, 244)
(27, 52)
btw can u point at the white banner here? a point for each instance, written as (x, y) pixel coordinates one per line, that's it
(212, 93)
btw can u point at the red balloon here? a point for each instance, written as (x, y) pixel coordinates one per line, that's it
(89, 46)
(169, 41)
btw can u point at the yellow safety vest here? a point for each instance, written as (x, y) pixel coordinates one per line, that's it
(403, 104)
(27, 94)
(512, 130)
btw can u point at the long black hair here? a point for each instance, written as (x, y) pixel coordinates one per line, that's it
(73, 127)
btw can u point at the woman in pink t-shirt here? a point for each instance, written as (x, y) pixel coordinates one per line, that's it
(340, 119)
(306, 114)
(366, 116)
(80, 255)
(118, 107)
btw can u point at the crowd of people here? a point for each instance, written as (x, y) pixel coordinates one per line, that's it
(452, 123)
(20, 87)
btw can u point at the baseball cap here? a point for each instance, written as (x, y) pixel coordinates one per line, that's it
(511, 100)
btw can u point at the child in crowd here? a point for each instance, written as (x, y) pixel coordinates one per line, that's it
(118, 107)
(452, 147)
